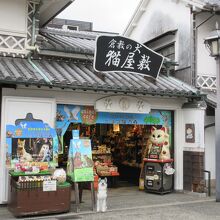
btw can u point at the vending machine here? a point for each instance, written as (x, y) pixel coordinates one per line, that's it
(158, 175)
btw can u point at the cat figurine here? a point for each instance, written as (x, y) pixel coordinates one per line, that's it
(158, 144)
(22, 153)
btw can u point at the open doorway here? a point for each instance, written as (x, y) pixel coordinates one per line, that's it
(118, 149)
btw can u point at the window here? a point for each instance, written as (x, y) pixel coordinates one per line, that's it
(169, 52)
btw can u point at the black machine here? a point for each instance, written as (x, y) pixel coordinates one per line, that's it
(158, 175)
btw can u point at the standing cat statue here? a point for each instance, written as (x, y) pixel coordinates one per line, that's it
(158, 144)
(102, 195)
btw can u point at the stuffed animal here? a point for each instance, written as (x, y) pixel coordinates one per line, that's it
(158, 144)
(102, 195)
(59, 175)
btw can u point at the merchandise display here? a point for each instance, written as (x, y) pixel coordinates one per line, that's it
(103, 165)
(31, 158)
(119, 142)
(30, 194)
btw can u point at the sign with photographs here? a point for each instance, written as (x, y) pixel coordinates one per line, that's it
(80, 163)
(117, 53)
(190, 133)
(32, 142)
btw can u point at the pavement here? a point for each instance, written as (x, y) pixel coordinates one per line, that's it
(132, 204)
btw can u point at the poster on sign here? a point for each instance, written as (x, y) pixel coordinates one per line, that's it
(80, 163)
(31, 142)
(117, 53)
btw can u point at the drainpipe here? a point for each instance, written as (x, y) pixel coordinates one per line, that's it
(38, 70)
(193, 47)
(34, 47)
(37, 8)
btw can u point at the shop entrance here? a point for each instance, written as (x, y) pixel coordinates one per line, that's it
(119, 140)
(117, 149)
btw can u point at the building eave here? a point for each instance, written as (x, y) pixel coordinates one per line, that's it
(51, 9)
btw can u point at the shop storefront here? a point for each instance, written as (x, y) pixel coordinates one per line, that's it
(119, 140)
(118, 136)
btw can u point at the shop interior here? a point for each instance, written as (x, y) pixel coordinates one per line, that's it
(117, 150)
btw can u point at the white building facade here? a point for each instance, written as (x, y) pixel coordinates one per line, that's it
(36, 79)
(178, 29)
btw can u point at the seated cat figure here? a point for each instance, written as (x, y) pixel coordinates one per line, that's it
(158, 144)
(22, 153)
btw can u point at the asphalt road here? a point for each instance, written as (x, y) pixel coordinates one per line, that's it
(196, 210)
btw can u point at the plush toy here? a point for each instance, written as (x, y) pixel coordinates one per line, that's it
(102, 195)
(158, 144)
(59, 175)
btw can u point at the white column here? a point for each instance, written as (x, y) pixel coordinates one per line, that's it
(178, 149)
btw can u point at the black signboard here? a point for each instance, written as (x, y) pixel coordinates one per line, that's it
(117, 53)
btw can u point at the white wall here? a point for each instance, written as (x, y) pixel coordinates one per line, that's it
(162, 16)
(206, 65)
(16, 108)
(196, 117)
(13, 16)
(210, 146)
(77, 97)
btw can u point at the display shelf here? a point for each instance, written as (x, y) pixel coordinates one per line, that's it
(101, 154)
(102, 175)
(17, 174)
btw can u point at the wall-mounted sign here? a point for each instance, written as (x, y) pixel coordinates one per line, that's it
(190, 133)
(117, 53)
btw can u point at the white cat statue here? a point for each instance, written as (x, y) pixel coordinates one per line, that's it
(102, 195)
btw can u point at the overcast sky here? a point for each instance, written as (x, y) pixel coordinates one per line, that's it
(106, 15)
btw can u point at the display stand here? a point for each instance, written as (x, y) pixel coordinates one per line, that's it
(157, 179)
(80, 166)
(76, 186)
(32, 156)
(29, 198)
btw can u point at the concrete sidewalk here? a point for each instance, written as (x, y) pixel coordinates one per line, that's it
(124, 200)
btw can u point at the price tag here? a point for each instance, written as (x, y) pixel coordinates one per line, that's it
(49, 185)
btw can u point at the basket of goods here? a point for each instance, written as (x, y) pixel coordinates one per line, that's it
(102, 149)
(103, 170)
(113, 169)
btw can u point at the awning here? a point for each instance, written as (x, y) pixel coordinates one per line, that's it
(78, 75)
